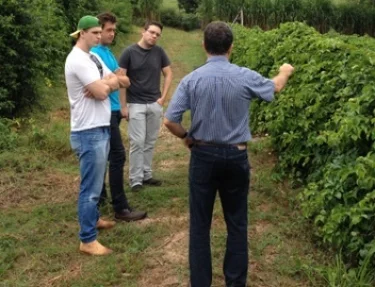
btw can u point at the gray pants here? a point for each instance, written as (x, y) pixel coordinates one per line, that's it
(143, 129)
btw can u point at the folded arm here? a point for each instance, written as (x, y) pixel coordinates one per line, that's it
(100, 89)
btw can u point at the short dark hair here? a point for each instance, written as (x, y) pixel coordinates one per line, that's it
(106, 17)
(218, 38)
(153, 23)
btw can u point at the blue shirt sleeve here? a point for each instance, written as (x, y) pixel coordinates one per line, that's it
(259, 86)
(179, 104)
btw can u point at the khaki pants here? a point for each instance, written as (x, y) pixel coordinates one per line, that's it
(143, 129)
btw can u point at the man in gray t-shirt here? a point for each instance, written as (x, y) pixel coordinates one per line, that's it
(144, 63)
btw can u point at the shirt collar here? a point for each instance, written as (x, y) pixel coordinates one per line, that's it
(217, 59)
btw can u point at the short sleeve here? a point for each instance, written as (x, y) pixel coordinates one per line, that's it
(179, 104)
(124, 60)
(165, 62)
(260, 86)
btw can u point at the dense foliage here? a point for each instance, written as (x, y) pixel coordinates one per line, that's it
(172, 18)
(322, 125)
(345, 16)
(122, 10)
(35, 41)
(146, 9)
(32, 44)
(190, 6)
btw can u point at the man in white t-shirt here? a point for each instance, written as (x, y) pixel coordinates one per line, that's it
(89, 82)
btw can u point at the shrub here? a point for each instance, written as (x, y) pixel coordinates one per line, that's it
(73, 10)
(32, 48)
(122, 10)
(321, 125)
(172, 18)
(189, 22)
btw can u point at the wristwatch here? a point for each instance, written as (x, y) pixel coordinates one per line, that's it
(185, 135)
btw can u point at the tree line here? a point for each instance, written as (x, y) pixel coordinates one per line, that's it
(35, 41)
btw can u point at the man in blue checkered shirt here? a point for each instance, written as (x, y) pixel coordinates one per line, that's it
(218, 94)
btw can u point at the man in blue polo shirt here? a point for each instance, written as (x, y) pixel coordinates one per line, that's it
(119, 109)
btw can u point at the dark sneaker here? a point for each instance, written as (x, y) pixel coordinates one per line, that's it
(152, 181)
(136, 187)
(130, 215)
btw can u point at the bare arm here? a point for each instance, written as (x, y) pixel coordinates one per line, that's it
(178, 130)
(168, 75)
(122, 78)
(124, 105)
(112, 81)
(285, 71)
(100, 89)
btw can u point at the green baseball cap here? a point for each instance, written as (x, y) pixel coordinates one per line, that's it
(86, 22)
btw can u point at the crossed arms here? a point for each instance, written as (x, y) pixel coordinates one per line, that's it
(100, 89)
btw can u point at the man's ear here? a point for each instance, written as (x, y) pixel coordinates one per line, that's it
(230, 49)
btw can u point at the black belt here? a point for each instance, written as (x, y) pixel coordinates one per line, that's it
(239, 146)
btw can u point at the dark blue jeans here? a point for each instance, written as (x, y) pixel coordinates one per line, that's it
(226, 170)
(116, 160)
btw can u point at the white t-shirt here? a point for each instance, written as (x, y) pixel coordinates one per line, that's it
(85, 113)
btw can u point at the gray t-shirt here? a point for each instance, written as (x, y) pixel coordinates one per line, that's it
(143, 69)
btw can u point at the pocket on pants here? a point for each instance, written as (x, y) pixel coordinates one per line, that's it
(158, 109)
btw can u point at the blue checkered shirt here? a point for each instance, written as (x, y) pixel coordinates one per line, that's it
(218, 94)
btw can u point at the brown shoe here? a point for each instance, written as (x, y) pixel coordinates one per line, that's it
(94, 248)
(104, 224)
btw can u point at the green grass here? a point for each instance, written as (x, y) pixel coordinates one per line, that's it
(39, 187)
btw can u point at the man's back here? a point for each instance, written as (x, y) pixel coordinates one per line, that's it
(218, 95)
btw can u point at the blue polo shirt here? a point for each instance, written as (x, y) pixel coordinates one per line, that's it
(111, 62)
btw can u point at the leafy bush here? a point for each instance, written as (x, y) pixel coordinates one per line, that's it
(122, 10)
(189, 22)
(32, 47)
(321, 125)
(73, 10)
(190, 6)
(172, 18)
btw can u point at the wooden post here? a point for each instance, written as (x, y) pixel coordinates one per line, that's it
(241, 12)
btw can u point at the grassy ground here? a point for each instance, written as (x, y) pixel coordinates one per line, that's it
(38, 191)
